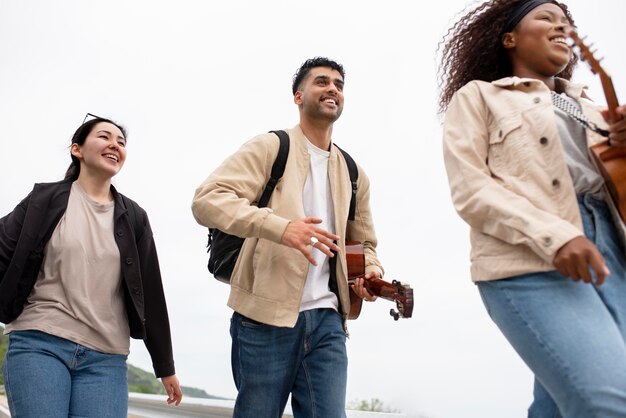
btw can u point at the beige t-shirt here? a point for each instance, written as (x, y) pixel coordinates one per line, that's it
(78, 294)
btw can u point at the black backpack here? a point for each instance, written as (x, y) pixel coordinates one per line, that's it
(224, 248)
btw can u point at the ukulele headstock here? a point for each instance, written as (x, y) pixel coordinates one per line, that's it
(588, 55)
(404, 301)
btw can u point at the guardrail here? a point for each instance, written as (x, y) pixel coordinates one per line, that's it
(154, 406)
(4, 406)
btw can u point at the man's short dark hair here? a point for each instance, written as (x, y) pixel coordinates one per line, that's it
(309, 64)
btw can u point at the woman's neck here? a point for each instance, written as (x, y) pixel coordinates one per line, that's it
(97, 189)
(549, 81)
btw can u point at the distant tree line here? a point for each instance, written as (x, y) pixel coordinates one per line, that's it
(373, 405)
(138, 380)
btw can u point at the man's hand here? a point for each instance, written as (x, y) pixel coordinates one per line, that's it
(576, 257)
(303, 235)
(617, 129)
(359, 286)
(172, 387)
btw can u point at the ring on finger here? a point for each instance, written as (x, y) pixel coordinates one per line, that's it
(314, 241)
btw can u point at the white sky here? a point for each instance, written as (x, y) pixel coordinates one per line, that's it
(192, 80)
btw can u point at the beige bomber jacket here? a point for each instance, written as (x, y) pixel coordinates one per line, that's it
(508, 176)
(268, 280)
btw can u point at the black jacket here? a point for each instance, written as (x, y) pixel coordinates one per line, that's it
(25, 232)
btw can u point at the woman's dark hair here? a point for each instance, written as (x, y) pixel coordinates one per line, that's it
(472, 49)
(79, 138)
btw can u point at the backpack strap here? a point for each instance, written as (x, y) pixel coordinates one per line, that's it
(354, 176)
(278, 168)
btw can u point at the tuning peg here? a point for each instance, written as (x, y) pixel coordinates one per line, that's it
(394, 314)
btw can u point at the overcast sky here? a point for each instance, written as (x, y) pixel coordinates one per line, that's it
(193, 80)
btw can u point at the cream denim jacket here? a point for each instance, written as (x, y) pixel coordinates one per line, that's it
(268, 280)
(508, 176)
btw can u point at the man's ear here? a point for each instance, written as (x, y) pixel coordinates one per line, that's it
(297, 98)
(508, 40)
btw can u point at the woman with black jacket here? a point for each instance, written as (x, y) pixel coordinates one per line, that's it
(79, 276)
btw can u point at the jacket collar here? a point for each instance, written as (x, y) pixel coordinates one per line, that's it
(120, 207)
(302, 140)
(573, 90)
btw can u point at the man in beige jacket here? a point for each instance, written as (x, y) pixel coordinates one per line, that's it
(289, 289)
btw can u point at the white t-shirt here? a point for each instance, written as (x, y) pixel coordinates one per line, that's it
(318, 202)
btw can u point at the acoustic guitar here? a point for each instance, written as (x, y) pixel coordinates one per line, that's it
(611, 161)
(395, 291)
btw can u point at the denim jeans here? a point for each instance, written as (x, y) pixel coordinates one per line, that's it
(570, 334)
(309, 361)
(48, 376)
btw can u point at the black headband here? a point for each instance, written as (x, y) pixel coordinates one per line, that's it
(521, 11)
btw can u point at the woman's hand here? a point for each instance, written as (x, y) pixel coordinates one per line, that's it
(576, 257)
(172, 387)
(617, 129)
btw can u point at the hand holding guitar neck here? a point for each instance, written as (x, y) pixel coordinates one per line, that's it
(395, 291)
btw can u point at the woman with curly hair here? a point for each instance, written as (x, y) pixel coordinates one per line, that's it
(547, 243)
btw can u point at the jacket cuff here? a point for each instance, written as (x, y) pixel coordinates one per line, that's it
(164, 369)
(273, 228)
(551, 244)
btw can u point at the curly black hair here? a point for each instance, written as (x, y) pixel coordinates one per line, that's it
(472, 49)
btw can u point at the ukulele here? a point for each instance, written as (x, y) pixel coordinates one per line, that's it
(395, 291)
(611, 161)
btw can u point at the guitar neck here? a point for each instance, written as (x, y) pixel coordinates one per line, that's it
(611, 97)
(381, 288)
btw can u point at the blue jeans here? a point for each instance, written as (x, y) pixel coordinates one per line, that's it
(570, 334)
(48, 376)
(309, 361)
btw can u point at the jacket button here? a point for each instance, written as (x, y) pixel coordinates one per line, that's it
(129, 261)
(547, 241)
(543, 140)
(536, 100)
(136, 291)
(120, 233)
(556, 183)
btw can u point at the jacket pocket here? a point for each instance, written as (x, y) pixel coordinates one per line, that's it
(510, 150)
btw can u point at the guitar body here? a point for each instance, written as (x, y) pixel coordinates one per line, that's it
(611, 162)
(355, 259)
(395, 291)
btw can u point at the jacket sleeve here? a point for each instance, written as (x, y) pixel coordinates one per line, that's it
(486, 205)
(226, 199)
(362, 228)
(10, 230)
(158, 339)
